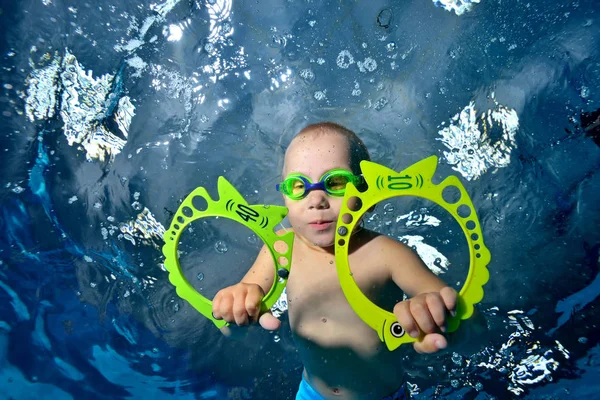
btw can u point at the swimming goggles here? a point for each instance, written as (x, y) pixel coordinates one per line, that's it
(296, 186)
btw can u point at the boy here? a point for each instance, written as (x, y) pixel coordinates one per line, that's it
(343, 357)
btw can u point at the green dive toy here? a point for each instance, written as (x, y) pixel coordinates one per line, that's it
(262, 219)
(384, 183)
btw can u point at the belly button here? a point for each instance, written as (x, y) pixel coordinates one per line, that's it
(323, 319)
(336, 391)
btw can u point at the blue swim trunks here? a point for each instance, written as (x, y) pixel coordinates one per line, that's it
(306, 392)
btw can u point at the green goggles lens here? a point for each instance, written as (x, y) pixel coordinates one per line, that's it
(297, 186)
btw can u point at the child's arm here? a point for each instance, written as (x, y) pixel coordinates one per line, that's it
(240, 304)
(262, 271)
(430, 299)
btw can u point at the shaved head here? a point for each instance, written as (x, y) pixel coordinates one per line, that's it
(356, 148)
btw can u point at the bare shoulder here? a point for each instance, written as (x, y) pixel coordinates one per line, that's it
(283, 231)
(399, 262)
(384, 246)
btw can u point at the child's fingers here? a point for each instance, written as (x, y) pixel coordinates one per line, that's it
(252, 306)
(449, 296)
(269, 322)
(437, 309)
(222, 306)
(216, 304)
(431, 343)
(420, 312)
(240, 315)
(405, 318)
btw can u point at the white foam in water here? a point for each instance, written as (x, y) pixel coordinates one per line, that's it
(458, 6)
(416, 218)
(218, 12)
(165, 7)
(133, 44)
(145, 228)
(83, 106)
(536, 367)
(41, 93)
(124, 114)
(174, 33)
(130, 46)
(281, 305)
(162, 9)
(435, 261)
(472, 150)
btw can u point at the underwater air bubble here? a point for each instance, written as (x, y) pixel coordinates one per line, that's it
(380, 104)
(221, 247)
(307, 75)
(384, 19)
(369, 65)
(584, 92)
(344, 59)
(320, 95)
(252, 239)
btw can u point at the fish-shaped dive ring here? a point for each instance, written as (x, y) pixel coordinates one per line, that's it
(262, 219)
(384, 183)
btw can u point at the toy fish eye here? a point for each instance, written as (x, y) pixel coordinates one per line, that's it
(397, 330)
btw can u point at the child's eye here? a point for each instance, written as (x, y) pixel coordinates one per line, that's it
(337, 182)
(297, 187)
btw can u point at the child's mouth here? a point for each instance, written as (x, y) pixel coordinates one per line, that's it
(320, 225)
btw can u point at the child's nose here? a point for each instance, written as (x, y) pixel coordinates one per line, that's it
(317, 199)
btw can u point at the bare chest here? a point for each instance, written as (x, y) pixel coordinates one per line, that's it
(314, 291)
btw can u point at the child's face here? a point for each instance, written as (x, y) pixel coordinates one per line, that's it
(315, 216)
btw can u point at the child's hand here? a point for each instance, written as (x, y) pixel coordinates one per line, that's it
(240, 304)
(425, 314)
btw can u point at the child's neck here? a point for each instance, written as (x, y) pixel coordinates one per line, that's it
(327, 249)
(317, 248)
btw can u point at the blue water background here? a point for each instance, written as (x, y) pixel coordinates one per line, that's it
(79, 317)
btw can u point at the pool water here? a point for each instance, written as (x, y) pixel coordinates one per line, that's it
(113, 113)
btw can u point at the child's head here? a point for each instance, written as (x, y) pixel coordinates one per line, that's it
(355, 146)
(316, 150)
